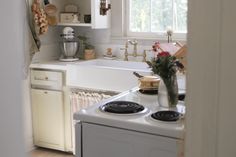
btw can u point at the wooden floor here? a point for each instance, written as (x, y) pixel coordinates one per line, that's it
(41, 152)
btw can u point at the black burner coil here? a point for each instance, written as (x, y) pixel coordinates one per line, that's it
(168, 116)
(181, 97)
(122, 107)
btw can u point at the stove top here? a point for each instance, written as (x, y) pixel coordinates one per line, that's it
(122, 107)
(133, 111)
(168, 116)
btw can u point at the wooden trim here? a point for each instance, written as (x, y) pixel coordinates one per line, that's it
(202, 77)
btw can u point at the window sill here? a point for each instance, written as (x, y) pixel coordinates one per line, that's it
(161, 39)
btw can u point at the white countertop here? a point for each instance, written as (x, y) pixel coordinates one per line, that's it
(52, 65)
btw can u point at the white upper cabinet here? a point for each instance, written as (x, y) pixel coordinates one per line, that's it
(85, 7)
(99, 21)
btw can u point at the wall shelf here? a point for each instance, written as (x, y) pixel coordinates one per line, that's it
(87, 7)
(75, 24)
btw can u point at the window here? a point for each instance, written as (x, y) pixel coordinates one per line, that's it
(149, 18)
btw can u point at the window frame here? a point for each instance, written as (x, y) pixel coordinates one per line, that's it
(147, 35)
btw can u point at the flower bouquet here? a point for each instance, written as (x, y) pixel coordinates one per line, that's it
(165, 65)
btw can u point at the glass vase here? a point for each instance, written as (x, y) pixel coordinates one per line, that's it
(168, 92)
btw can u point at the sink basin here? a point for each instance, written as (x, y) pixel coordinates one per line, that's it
(108, 75)
(116, 64)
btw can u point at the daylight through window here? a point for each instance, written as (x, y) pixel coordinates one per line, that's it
(153, 16)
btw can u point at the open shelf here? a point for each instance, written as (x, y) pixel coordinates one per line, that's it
(86, 7)
(75, 24)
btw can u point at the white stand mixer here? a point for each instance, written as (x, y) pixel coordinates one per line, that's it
(69, 45)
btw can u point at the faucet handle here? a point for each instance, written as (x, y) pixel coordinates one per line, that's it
(133, 42)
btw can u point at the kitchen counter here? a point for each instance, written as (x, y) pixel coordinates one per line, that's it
(99, 74)
(99, 77)
(52, 65)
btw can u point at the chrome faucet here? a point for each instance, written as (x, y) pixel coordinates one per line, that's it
(126, 50)
(135, 53)
(135, 44)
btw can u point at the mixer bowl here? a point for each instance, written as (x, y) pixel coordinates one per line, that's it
(69, 48)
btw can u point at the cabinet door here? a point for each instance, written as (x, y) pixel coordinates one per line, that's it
(99, 21)
(48, 126)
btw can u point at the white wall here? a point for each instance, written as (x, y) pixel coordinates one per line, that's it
(226, 115)
(49, 46)
(11, 43)
(210, 121)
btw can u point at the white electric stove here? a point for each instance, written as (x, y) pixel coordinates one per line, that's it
(103, 134)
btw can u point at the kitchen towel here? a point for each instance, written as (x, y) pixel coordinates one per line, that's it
(32, 41)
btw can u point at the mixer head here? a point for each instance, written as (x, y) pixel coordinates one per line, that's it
(68, 33)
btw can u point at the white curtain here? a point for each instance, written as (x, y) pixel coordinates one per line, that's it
(81, 100)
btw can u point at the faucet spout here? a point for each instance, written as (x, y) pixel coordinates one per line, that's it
(135, 44)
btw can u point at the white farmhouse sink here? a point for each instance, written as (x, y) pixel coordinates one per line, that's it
(116, 64)
(109, 75)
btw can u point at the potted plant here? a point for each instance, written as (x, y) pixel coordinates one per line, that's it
(87, 48)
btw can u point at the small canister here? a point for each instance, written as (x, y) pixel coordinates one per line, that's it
(89, 54)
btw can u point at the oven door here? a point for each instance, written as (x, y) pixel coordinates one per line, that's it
(104, 141)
